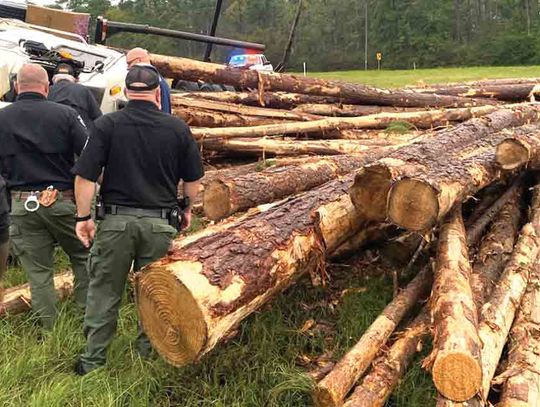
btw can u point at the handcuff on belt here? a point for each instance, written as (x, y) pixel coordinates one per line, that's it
(44, 198)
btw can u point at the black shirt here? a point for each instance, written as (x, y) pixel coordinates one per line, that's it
(77, 96)
(145, 153)
(39, 140)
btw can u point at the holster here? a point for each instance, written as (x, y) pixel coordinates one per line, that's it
(176, 216)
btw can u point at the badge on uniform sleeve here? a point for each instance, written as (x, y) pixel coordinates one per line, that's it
(48, 197)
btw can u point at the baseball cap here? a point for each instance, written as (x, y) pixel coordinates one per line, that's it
(142, 78)
(65, 69)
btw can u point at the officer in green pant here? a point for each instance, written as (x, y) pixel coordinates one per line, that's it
(4, 233)
(38, 142)
(143, 153)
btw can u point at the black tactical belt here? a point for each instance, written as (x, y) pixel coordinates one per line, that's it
(140, 212)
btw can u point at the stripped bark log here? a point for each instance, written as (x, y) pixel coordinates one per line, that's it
(338, 110)
(455, 360)
(332, 390)
(373, 182)
(421, 119)
(520, 150)
(188, 69)
(18, 299)
(505, 92)
(194, 298)
(521, 377)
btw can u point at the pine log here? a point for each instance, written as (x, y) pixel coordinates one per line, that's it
(275, 100)
(332, 390)
(373, 182)
(520, 150)
(191, 70)
(195, 297)
(505, 92)
(388, 369)
(440, 185)
(480, 82)
(18, 299)
(338, 110)
(422, 119)
(455, 360)
(521, 377)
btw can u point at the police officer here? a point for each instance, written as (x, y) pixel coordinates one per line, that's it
(4, 232)
(144, 153)
(67, 91)
(39, 140)
(141, 56)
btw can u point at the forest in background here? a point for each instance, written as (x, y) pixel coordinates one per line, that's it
(331, 33)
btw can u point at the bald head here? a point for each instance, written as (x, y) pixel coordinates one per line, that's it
(32, 78)
(137, 56)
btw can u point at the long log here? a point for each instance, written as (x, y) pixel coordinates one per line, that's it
(519, 150)
(195, 297)
(332, 390)
(275, 100)
(18, 299)
(373, 182)
(339, 110)
(521, 376)
(455, 360)
(504, 92)
(440, 185)
(422, 119)
(192, 70)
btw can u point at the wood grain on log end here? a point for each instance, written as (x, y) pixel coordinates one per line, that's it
(370, 191)
(457, 376)
(170, 316)
(216, 200)
(511, 154)
(413, 204)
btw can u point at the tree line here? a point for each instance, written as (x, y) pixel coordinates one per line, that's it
(331, 34)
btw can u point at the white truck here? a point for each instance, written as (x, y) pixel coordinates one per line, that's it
(102, 69)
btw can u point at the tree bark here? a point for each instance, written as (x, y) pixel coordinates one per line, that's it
(421, 119)
(188, 69)
(509, 92)
(521, 376)
(520, 150)
(455, 360)
(388, 369)
(195, 297)
(373, 182)
(275, 100)
(332, 390)
(18, 299)
(443, 183)
(339, 110)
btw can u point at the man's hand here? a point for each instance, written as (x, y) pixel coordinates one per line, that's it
(85, 232)
(186, 219)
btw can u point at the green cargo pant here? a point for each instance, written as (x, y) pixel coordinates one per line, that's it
(33, 236)
(120, 241)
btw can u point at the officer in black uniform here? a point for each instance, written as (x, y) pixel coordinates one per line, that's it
(38, 142)
(144, 153)
(67, 91)
(4, 232)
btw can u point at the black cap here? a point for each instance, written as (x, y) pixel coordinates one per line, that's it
(65, 69)
(142, 78)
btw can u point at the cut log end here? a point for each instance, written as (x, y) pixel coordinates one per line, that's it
(370, 191)
(457, 376)
(323, 397)
(216, 200)
(511, 154)
(413, 205)
(170, 317)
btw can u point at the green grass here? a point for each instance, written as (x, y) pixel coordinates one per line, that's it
(393, 79)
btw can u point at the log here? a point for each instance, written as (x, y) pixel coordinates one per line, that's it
(437, 187)
(520, 150)
(275, 100)
(191, 70)
(388, 369)
(373, 182)
(194, 298)
(505, 92)
(339, 110)
(521, 376)
(332, 390)
(18, 299)
(422, 119)
(455, 360)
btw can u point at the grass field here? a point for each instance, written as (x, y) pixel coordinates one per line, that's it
(264, 365)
